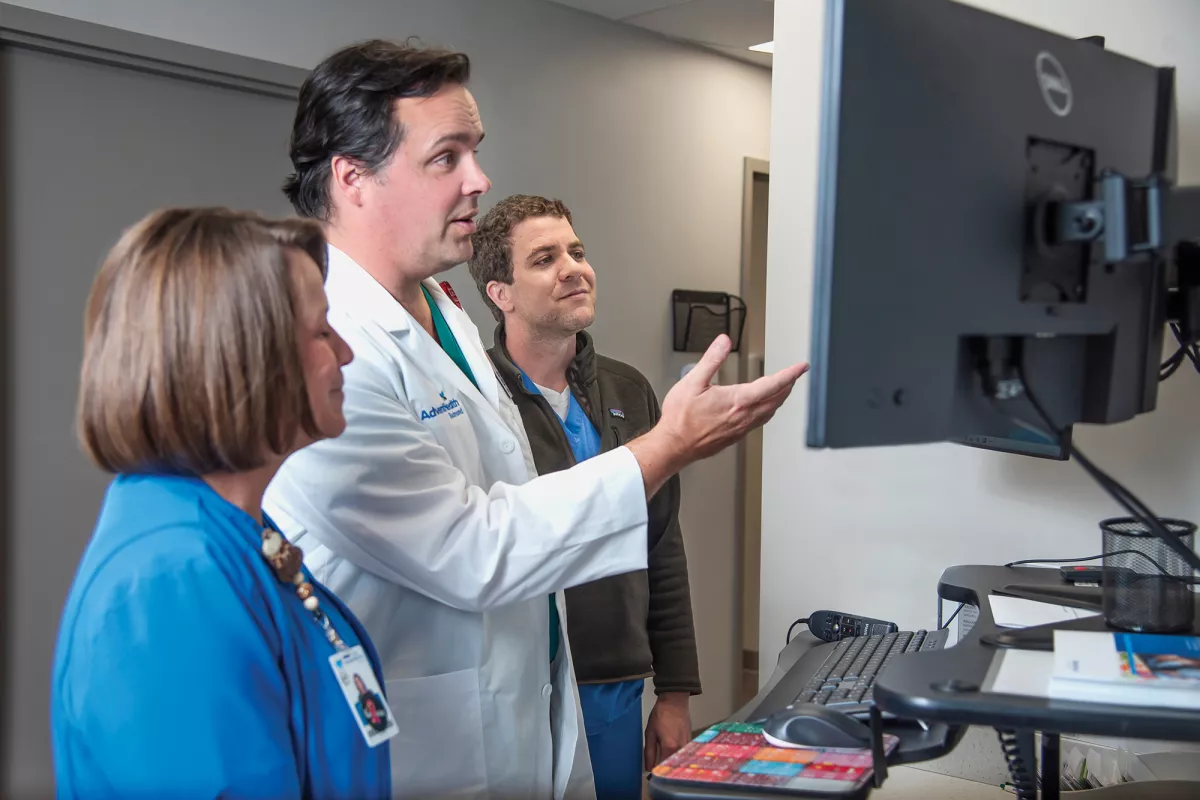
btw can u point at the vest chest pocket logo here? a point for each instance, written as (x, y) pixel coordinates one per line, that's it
(449, 406)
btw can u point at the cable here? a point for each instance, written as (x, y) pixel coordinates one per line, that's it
(1090, 558)
(1186, 349)
(1018, 751)
(1169, 367)
(1157, 565)
(1057, 560)
(946, 624)
(1123, 496)
(1134, 506)
(1189, 348)
(792, 627)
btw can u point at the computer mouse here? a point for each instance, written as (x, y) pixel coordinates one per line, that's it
(810, 725)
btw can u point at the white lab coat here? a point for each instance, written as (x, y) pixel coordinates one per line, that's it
(424, 517)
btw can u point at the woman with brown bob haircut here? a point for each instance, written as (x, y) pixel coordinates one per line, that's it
(196, 656)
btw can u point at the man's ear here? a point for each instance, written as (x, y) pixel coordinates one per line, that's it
(501, 295)
(347, 179)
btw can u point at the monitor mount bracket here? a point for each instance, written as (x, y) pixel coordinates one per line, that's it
(1132, 217)
(1127, 217)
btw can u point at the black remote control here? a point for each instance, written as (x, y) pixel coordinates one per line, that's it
(1091, 574)
(831, 626)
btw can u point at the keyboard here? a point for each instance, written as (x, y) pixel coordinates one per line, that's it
(846, 679)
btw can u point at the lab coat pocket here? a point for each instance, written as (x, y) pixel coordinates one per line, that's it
(439, 749)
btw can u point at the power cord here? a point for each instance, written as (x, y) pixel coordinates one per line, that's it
(1018, 747)
(1089, 558)
(1059, 560)
(1123, 496)
(792, 627)
(1162, 571)
(1186, 349)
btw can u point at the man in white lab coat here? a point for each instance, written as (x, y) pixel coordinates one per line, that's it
(425, 516)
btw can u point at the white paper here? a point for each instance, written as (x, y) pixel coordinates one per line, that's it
(1017, 612)
(1023, 672)
(1089, 655)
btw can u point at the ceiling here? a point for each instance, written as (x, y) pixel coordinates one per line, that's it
(727, 26)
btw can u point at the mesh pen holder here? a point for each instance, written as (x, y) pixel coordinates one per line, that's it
(1147, 586)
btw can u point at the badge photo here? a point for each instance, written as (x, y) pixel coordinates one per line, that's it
(363, 695)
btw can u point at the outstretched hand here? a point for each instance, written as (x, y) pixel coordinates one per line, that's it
(700, 419)
(710, 418)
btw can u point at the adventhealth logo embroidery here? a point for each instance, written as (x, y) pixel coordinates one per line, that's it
(448, 406)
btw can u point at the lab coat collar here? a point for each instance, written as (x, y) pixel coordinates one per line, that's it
(468, 341)
(353, 291)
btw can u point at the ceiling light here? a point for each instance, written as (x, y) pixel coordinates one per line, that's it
(765, 47)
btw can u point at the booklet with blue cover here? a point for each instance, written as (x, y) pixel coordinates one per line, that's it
(1127, 668)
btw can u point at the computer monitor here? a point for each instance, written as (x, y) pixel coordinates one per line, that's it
(1013, 438)
(952, 244)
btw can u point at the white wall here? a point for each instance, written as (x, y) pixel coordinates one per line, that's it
(642, 137)
(870, 530)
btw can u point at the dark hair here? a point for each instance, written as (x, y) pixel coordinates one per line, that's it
(190, 359)
(492, 260)
(346, 108)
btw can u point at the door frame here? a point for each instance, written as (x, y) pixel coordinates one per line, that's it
(745, 659)
(751, 167)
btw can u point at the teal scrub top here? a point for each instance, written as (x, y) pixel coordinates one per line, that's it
(450, 345)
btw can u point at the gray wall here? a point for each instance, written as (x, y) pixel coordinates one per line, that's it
(166, 141)
(644, 140)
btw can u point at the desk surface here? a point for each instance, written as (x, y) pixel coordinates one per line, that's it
(944, 685)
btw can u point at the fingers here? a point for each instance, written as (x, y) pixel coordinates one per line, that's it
(771, 404)
(706, 369)
(769, 385)
(669, 749)
(651, 749)
(763, 409)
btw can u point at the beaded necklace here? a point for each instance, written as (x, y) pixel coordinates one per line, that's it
(286, 559)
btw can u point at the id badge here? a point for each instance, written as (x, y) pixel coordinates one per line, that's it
(367, 704)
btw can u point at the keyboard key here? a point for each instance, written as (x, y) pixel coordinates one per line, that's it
(846, 678)
(864, 655)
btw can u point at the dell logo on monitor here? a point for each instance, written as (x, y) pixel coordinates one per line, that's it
(1056, 86)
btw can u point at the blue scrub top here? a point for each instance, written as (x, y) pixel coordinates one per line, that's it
(612, 712)
(580, 432)
(184, 668)
(585, 443)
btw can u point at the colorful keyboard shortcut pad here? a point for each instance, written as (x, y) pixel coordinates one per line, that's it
(737, 754)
